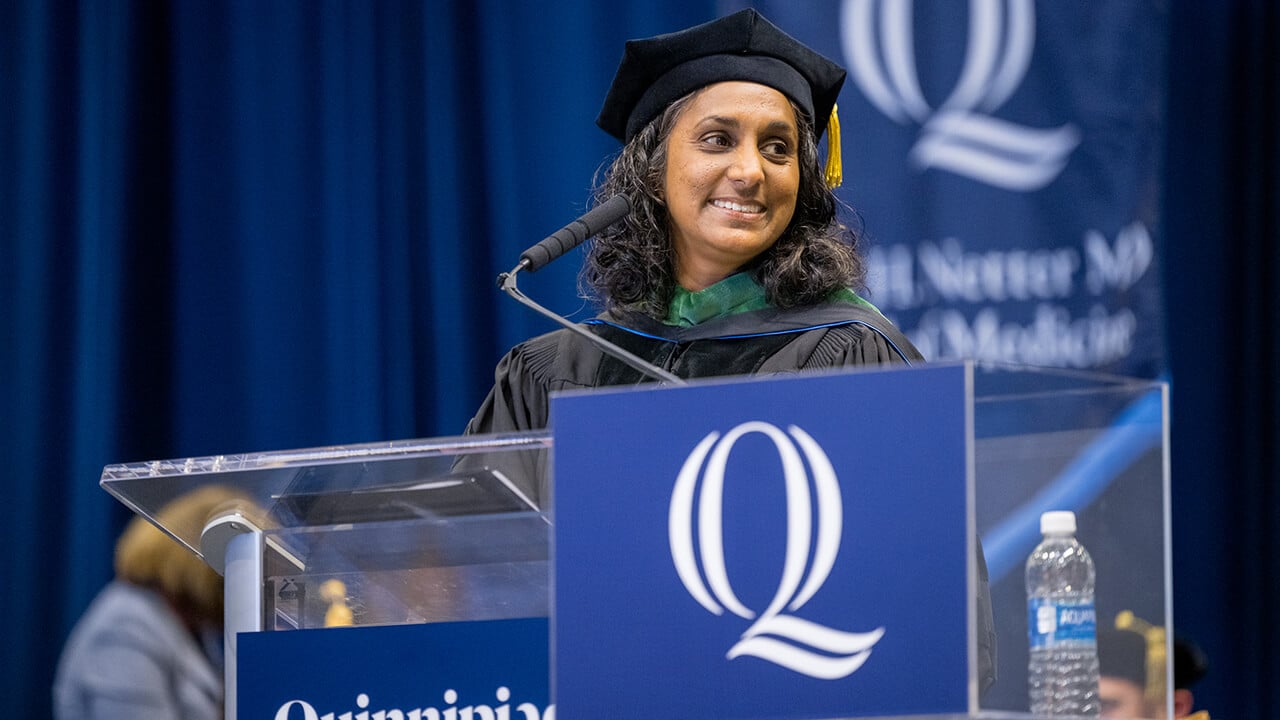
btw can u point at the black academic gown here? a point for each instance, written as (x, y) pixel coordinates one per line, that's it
(759, 342)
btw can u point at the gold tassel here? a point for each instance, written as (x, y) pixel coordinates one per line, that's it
(1157, 655)
(834, 172)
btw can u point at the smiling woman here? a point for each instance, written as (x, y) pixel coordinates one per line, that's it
(732, 261)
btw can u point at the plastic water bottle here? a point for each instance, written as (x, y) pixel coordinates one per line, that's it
(1061, 622)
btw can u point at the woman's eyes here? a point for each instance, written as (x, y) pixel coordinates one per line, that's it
(773, 148)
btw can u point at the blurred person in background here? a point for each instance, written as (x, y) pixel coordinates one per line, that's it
(149, 647)
(1131, 681)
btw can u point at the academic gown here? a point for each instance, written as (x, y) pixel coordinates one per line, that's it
(768, 341)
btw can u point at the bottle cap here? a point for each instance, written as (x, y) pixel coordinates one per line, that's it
(1058, 522)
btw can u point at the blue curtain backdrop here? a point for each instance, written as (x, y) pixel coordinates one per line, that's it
(247, 226)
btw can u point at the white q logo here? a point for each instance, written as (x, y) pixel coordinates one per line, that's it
(826, 653)
(956, 137)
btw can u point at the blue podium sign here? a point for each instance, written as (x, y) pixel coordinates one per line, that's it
(774, 548)
(491, 669)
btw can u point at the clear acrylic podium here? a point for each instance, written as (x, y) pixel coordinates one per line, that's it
(446, 530)
(412, 536)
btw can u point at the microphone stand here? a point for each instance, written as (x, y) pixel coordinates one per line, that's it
(507, 283)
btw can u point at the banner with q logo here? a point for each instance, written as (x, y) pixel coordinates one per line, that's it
(1005, 159)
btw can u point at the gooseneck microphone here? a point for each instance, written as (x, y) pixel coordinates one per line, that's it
(562, 241)
(571, 236)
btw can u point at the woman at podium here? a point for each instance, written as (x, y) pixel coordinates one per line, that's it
(732, 260)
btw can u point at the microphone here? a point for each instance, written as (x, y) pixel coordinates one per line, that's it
(571, 236)
(561, 242)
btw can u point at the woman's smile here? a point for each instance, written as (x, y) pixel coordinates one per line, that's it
(739, 207)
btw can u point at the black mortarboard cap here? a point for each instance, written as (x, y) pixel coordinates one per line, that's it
(1123, 654)
(657, 71)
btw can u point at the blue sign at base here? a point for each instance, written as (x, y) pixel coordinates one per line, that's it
(790, 548)
(489, 669)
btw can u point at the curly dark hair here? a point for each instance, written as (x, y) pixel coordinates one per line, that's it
(631, 265)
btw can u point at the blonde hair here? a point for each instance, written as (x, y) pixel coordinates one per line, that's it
(146, 556)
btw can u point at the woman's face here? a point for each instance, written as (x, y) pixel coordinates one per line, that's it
(732, 177)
